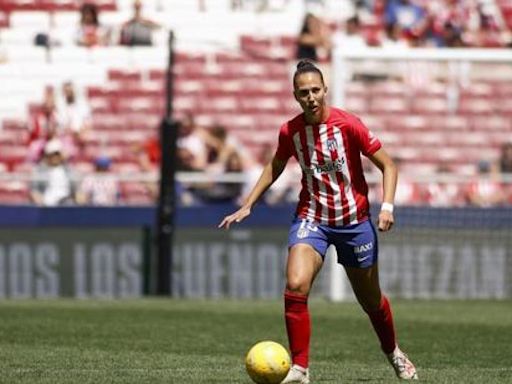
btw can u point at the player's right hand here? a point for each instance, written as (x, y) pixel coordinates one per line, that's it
(236, 217)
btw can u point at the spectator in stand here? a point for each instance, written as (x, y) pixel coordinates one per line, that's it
(219, 191)
(408, 17)
(489, 32)
(314, 40)
(74, 119)
(100, 187)
(222, 157)
(138, 30)
(192, 147)
(393, 37)
(352, 36)
(505, 161)
(442, 192)
(505, 168)
(408, 192)
(286, 189)
(192, 151)
(42, 126)
(486, 190)
(90, 32)
(52, 182)
(450, 21)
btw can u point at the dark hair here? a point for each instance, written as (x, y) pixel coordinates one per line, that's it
(305, 66)
(93, 9)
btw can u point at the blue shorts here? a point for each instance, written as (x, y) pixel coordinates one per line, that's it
(356, 245)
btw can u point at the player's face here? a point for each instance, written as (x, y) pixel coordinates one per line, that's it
(310, 93)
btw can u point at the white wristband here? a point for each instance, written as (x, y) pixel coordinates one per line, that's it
(387, 207)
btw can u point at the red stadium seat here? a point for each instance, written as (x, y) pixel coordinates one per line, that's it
(357, 105)
(477, 106)
(135, 193)
(389, 88)
(117, 74)
(4, 19)
(11, 155)
(429, 105)
(389, 105)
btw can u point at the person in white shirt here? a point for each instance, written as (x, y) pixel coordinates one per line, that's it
(52, 182)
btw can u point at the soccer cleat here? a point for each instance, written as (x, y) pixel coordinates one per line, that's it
(297, 375)
(404, 369)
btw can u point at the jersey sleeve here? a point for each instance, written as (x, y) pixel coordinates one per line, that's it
(284, 148)
(368, 142)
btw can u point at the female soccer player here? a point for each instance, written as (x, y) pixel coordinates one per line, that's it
(333, 209)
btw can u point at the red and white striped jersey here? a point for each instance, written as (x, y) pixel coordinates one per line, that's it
(334, 190)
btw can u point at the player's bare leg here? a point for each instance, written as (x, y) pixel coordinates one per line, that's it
(365, 283)
(303, 265)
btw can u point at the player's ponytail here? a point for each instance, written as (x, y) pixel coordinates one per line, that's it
(305, 66)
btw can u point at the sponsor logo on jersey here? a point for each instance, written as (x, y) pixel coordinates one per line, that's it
(327, 167)
(363, 248)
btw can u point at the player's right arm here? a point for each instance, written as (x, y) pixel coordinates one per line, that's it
(268, 176)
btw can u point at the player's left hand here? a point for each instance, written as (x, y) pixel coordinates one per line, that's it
(386, 221)
(236, 217)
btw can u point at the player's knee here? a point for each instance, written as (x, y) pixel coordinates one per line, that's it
(298, 285)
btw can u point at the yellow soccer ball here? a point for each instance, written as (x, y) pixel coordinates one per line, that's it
(267, 362)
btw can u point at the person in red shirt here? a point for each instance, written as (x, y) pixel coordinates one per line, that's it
(333, 209)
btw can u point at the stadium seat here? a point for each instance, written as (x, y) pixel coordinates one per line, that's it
(428, 105)
(477, 106)
(389, 105)
(10, 154)
(4, 19)
(125, 75)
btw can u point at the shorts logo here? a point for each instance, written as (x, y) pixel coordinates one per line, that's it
(363, 248)
(362, 258)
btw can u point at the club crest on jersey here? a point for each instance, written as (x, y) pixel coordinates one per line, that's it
(332, 145)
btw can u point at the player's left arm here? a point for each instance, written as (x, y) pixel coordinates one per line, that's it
(385, 163)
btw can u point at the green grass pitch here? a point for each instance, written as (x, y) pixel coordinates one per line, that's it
(173, 341)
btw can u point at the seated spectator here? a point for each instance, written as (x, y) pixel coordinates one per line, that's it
(393, 37)
(450, 22)
(192, 149)
(220, 146)
(408, 191)
(42, 126)
(408, 18)
(505, 161)
(486, 190)
(74, 119)
(138, 30)
(487, 30)
(100, 187)
(442, 192)
(220, 191)
(314, 40)
(286, 188)
(148, 153)
(52, 183)
(352, 36)
(90, 32)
